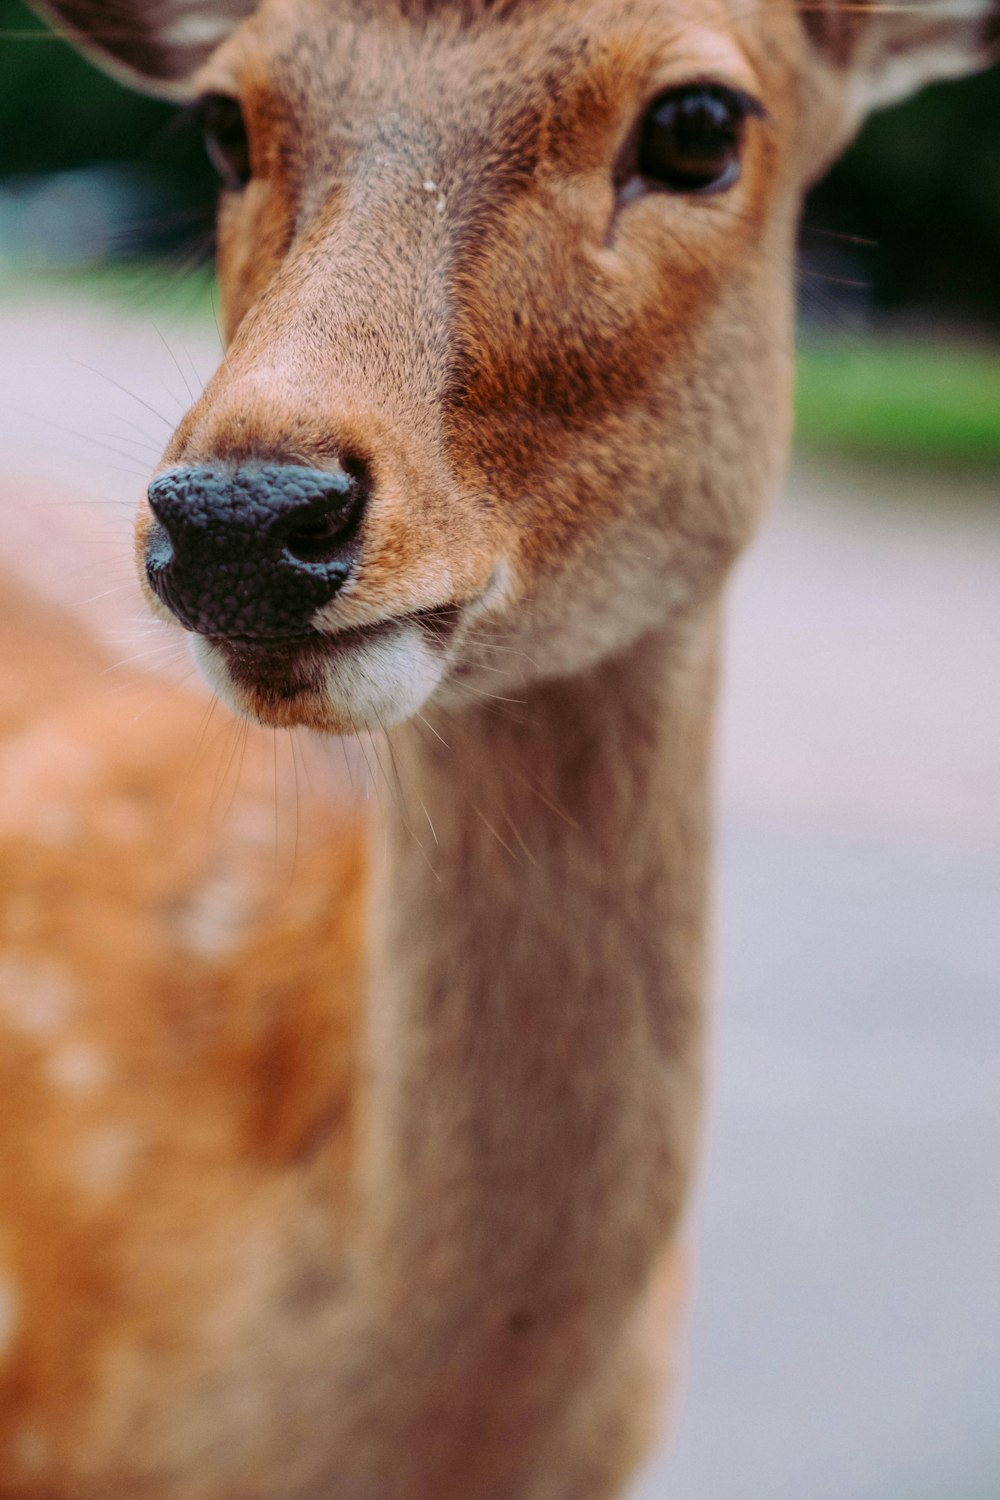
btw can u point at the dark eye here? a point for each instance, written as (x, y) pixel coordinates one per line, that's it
(691, 138)
(226, 140)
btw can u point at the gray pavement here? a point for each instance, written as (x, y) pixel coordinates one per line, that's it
(845, 1340)
(845, 1336)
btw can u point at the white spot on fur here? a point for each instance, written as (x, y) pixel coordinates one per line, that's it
(36, 995)
(430, 187)
(253, 823)
(30, 1450)
(215, 918)
(32, 767)
(78, 1068)
(10, 1314)
(56, 825)
(197, 31)
(105, 1156)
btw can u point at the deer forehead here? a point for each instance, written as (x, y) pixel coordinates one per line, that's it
(435, 60)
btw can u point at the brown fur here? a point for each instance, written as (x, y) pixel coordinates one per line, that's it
(259, 1241)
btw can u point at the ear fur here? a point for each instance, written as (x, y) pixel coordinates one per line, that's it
(889, 48)
(152, 45)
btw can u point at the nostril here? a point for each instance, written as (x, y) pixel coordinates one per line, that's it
(318, 538)
(320, 527)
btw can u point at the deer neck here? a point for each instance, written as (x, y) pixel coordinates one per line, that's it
(537, 993)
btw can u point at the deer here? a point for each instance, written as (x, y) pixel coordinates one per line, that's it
(372, 1186)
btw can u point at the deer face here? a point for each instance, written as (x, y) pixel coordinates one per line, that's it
(506, 290)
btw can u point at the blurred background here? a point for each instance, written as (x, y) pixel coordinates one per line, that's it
(846, 1328)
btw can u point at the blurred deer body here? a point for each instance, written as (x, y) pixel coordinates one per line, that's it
(373, 1186)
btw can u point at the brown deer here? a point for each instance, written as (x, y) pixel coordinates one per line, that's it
(372, 1187)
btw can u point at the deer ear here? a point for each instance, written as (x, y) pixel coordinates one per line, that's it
(152, 45)
(888, 48)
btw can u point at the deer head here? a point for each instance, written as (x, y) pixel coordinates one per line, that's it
(506, 290)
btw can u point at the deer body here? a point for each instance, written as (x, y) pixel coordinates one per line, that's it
(383, 1197)
(255, 1287)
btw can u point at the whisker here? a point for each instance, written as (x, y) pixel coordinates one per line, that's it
(548, 802)
(129, 661)
(117, 588)
(514, 830)
(126, 392)
(501, 841)
(173, 356)
(164, 697)
(199, 746)
(433, 731)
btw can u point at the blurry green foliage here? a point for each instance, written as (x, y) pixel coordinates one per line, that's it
(922, 183)
(56, 110)
(886, 399)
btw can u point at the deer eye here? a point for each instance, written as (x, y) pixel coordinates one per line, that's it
(691, 138)
(226, 140)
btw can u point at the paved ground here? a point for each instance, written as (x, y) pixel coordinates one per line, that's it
(846, 1336)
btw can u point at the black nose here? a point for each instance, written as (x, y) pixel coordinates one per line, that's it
(251, 553)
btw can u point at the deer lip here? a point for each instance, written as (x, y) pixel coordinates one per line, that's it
(287, 669)
(438, 623)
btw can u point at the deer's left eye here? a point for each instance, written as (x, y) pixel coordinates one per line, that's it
(692, 137)
(226, 140)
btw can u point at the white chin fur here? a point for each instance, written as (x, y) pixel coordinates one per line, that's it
(367, 685)
(213, 669)
(384, 681)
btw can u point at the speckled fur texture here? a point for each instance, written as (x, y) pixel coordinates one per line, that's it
(372, 1187)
